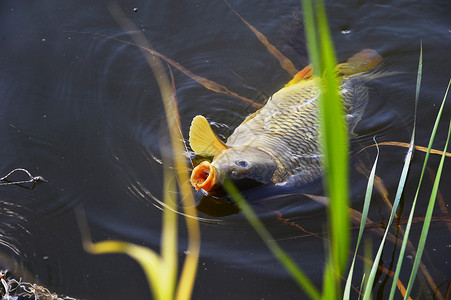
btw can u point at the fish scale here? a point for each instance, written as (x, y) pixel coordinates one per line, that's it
(292, 107)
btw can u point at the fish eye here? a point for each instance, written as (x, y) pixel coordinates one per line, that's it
(242, 163)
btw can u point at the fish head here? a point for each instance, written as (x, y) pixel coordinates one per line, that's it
(245, 163)
(245, 166)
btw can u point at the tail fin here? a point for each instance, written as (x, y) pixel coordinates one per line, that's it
(363, 61)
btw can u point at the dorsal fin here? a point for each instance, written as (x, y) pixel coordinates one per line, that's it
(203, 140)
(303, 74)
(251, 116)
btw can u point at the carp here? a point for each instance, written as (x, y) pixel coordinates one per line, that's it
(279, 143)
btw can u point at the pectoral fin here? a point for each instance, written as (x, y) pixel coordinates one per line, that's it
(203, 140)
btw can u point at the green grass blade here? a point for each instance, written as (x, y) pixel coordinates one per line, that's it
(149, 261)
(399, 192)
(334, 139)
(427, 219)
(417, 96)
(366, 206)
(302, 280)
(335, 149)
(361, 285)
(169, 235)
(430, 208)
(409, 222)
(330, 290)
(418, 85)
(311, 37)
(400, 188)
(368, 253)
(161, 270)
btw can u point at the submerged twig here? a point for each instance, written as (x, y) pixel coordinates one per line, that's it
(206, 83)
(405, 145)
(284, 62)
(18, 289)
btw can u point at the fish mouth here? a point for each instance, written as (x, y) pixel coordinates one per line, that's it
(204, 176)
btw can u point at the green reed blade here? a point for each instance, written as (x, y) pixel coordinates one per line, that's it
(366, 206)
(417, 96)
(161, 270)
(431, 201)
(311, 37)
(368, 254)
(418, 85)
(147, 258)
(427, 219)
(399, 192)
(335, 148)
(409, 222)
(334, 140)
(401, 185)
(169, 234)
(300, 277)
(361, 285)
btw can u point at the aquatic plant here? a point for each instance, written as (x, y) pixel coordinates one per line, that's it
(161, 269)
(334, 142)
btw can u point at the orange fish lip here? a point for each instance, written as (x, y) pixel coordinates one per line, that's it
(204, 176)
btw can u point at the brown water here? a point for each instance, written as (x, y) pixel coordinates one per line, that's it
(85, 113)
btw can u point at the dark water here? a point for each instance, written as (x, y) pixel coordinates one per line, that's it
(85, 113)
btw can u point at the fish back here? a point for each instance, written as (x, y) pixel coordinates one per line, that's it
(287, 126)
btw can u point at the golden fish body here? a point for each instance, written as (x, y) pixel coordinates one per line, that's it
(280, 142)
(287, 129)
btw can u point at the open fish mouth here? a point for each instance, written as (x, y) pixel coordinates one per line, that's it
(204, 176)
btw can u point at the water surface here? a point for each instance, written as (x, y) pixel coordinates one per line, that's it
(84, 112)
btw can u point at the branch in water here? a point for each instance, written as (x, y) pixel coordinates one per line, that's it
(284, 62)
(206, 83)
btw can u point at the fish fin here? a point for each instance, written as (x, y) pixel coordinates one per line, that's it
(363, 61)
(203, 140)
(251, 116)
(303, 74)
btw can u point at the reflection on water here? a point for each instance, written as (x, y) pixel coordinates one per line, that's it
(84, 112)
